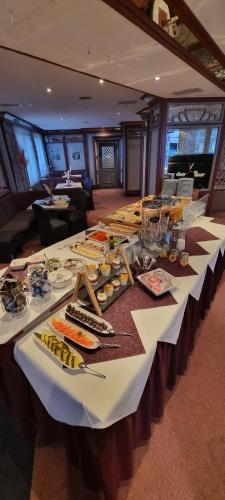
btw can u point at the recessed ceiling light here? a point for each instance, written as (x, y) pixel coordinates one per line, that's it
(30, 105)
(118, 113)
(49, 90)
(156, 78)
(101, 81)
(61, 118)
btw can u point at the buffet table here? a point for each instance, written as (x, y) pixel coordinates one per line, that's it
(101, 421)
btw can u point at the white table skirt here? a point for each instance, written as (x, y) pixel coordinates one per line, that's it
(85, 400)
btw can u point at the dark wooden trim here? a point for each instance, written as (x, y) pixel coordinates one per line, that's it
(216, 163)
(195, 26)
(65, 153)
(139, 18)
(2, 160)
(190, 100)
(80, 131)
(35, 153)
(9, 156)
(63, 66)
(86, 153)
(27, 125)
(147, 159)
(161, 146)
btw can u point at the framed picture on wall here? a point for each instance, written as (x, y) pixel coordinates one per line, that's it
(55, 155)
(76, 154)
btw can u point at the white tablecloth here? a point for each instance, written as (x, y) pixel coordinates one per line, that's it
(85, 400)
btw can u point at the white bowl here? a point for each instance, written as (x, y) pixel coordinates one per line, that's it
(60, 278)
(17, 264)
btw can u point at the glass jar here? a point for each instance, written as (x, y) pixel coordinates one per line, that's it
(14, 300)
(173, 255)
(184, 259)
(39, 284)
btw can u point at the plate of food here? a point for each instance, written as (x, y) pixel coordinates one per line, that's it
(74, 333)
(74, 265)
(58, 349)
(18, 264)
(103, 237)
(87, 251)
(88, 319)
(60, 278)
(157, 281)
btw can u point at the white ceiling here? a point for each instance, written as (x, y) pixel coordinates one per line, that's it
(89, 36)
(24, 81)
(212, 16)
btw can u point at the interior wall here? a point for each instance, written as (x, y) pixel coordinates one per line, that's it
(151, 188)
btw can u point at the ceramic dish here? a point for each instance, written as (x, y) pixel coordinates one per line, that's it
(157, 281)
(58, 350)
(18, 264)
(87, 252)
(103, 236)
(74, 265)
(60, 278)
(79, 336)
(88, 319)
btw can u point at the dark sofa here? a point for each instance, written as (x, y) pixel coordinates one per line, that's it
(15, 222)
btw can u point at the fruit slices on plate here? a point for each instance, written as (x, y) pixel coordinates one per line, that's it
(81, 337)
(58, 349)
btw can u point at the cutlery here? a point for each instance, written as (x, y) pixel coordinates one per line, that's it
(109, 345)
(123, 333)
(97, 374)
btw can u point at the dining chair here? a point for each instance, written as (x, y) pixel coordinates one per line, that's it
(51, 230)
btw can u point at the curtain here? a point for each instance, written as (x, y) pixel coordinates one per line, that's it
(17, 175)
(25, 145)
(42, 159)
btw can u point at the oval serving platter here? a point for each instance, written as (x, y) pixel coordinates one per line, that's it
(78, 335)
(58, 350)
(94, 320)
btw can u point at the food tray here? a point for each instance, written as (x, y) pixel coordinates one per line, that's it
(83, 339)
(101, 281)
(97, 319)
(144, 277)
(52, 355)
(87, 252)
(121, 238)
(116, 294)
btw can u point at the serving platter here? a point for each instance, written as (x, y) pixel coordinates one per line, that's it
(157, 281)
(88, 319)
(87, 251)
(58, 350)
(75, 334)
(117, 238)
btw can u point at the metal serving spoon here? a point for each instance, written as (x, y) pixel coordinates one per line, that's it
(86, 367)
(108, 345)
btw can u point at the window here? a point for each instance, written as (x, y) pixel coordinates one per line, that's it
(25, 144)
(42, 160)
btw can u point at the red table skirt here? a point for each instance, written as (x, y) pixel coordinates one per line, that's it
(105, 457)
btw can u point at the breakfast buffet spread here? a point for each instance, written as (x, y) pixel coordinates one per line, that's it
(141, 248)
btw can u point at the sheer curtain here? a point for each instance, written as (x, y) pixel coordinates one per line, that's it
(42, 159)
(24, 141)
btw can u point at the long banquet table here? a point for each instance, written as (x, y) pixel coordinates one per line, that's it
(100, 435)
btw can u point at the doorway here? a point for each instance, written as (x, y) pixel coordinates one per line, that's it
(107, 163)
